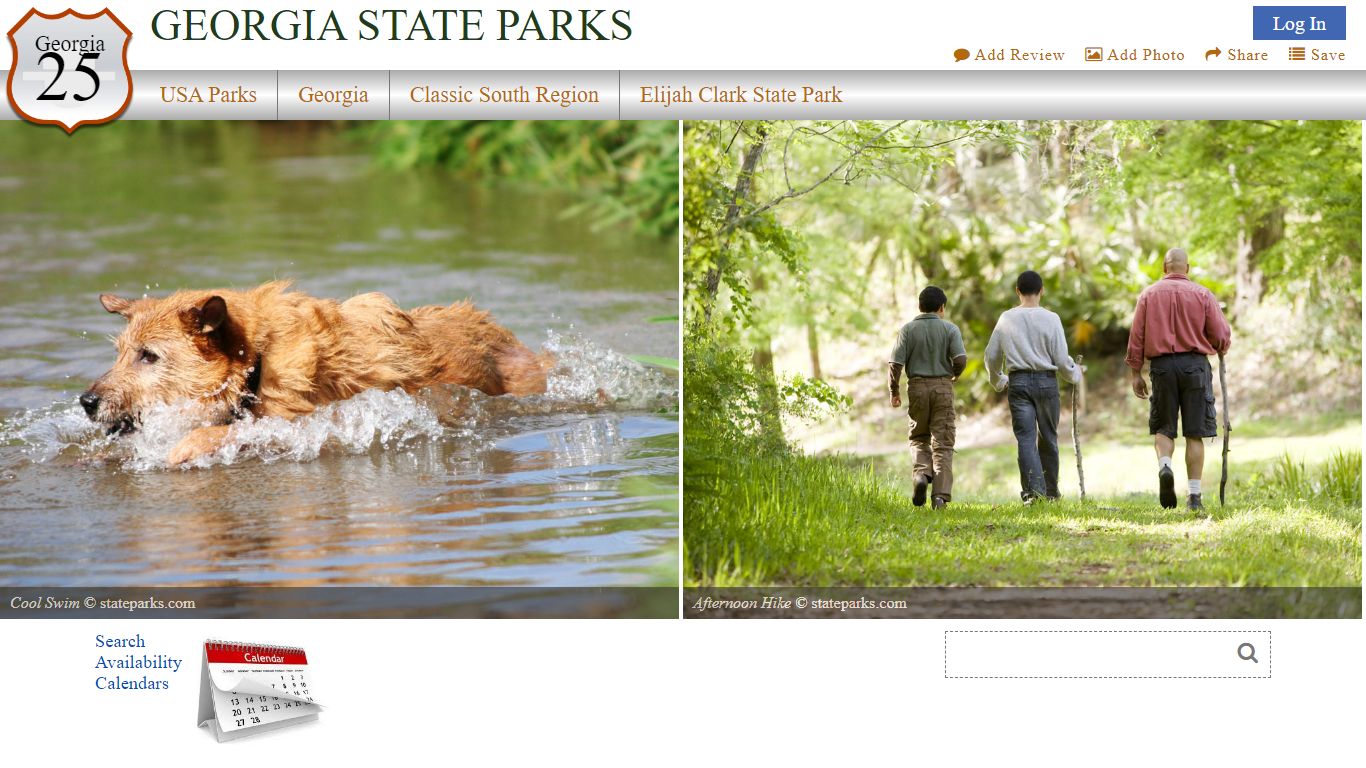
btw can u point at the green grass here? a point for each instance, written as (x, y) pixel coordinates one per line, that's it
(785, 519)
(1306, 424)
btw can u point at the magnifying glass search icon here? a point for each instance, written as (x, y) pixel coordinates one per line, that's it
(1248, 652)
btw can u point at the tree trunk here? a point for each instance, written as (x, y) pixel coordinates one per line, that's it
(770, 418)
(1255, 238)
(1061, 170)
(894, 268)
(744, 184)
(1136, 230)
(873, 253)
(813, 345)
(1266, 232)
(1025, 181)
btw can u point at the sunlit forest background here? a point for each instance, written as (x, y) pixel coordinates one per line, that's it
(809, 275)
(806, 244)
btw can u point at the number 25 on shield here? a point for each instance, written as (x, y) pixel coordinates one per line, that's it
(48, 95)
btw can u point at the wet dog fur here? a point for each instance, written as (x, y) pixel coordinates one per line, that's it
(272, 351)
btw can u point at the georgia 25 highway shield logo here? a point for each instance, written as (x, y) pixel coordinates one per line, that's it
(70, 69)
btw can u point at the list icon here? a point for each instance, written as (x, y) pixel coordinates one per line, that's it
(1297, 53)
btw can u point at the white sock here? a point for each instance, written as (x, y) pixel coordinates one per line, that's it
(1164, 462)
(1195, 487)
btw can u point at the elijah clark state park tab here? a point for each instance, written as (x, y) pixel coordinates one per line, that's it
(668, 95)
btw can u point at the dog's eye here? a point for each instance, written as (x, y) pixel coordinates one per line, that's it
(148, 356)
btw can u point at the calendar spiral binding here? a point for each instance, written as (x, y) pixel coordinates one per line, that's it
(243, 647)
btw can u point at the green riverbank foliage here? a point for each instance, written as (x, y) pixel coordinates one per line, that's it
(626, 171)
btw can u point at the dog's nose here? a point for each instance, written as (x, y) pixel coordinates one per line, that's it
(90, 402)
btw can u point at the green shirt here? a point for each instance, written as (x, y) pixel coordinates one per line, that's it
(927, 345)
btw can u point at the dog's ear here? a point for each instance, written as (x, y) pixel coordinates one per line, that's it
(209, 316)
(116, 305)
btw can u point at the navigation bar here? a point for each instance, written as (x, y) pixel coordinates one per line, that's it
(686, 95)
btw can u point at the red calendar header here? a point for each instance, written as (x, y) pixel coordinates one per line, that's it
(232, 653)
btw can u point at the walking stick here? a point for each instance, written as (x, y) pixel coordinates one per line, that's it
(1076, 434)
(1223, 389)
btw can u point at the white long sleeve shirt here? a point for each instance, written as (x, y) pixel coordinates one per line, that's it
(1028, 339)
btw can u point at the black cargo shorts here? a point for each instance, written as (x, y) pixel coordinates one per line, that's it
(1182, 384)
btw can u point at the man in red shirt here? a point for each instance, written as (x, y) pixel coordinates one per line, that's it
(1177, 325)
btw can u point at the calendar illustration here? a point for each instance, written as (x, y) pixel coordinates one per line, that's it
(247, 688)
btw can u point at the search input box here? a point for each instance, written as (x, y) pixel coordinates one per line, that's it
(1107, 653)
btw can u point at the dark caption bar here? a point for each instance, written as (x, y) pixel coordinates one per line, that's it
(1023, 603)
(341, 603)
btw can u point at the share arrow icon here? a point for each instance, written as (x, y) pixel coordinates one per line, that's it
(1213, 52)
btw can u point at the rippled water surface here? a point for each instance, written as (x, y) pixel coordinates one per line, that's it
(577, 487)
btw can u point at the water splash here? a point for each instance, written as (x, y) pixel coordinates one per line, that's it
(586, 378)
(370, 420)
(42, 434)
(585, 372)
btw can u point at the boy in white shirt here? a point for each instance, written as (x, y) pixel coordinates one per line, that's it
(1027, 351)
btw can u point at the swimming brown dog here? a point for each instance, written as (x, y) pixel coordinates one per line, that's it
(271, 351)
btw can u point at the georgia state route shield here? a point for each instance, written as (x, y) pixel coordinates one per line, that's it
(70, 69)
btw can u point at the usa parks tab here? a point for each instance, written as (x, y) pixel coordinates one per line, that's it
(668, 95)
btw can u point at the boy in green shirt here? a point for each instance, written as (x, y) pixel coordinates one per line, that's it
(930, 350)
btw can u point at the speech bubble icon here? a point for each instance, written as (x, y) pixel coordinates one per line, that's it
(961, 54)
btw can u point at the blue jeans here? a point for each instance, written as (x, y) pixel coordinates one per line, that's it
(1034, 417)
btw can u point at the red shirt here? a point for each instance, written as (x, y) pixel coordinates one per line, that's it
(1176, 315)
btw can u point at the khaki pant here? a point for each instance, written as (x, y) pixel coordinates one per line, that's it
(933, 427)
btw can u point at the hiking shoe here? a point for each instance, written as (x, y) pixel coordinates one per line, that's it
(939, 502)
(1166, 488)
(1193, 503)
(922, 483)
